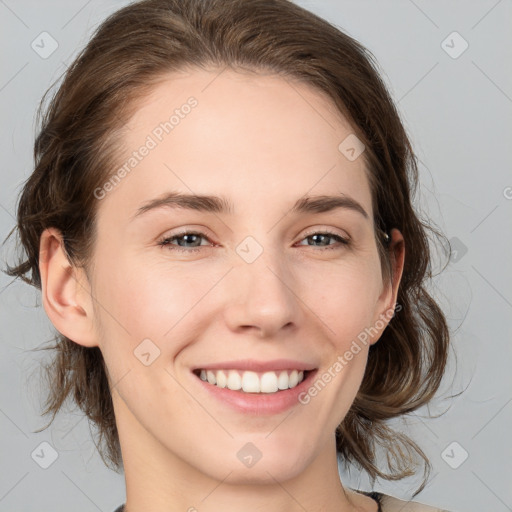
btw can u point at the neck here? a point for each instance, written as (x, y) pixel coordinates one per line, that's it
(159, 481)
(169, 490)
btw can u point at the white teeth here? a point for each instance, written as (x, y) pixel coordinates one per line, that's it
(222, 380)
(268, 383)
(234, 380)
(282, 382)
(252, 382)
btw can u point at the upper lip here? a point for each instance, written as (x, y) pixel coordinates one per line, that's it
(258, 366)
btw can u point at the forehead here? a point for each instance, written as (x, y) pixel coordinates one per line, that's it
(257, 139)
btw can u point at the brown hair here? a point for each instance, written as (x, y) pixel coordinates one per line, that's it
(75, 151)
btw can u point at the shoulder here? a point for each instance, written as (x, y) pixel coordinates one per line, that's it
(391, 504)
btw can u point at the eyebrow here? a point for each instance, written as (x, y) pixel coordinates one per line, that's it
(216, 204)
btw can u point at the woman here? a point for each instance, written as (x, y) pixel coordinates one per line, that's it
(232, 372)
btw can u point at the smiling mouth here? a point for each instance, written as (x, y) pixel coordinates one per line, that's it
(253, 382)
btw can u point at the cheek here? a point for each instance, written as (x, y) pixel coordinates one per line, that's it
(139, 309)
(147, 299)
(158, 301)
(344, 296)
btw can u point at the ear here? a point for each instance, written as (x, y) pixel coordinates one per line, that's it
(65, 291)
(386, 304)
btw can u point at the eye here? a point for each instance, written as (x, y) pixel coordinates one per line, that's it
(188, 237)
(193, 238)
(325, 236)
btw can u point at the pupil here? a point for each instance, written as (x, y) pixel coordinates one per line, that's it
(316, 237)
(185, 237)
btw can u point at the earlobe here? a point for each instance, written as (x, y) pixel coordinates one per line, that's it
(65, 292)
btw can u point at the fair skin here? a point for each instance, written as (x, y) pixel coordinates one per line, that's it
(256, 141)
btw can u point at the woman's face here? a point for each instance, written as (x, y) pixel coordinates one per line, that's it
(259, 286)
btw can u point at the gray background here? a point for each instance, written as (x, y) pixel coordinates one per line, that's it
(458, 113)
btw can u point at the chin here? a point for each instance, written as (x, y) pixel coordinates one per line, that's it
(262, 473)
(257, 462)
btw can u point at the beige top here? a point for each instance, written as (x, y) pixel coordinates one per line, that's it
(391, 504)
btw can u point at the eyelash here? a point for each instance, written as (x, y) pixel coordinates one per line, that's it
(166, 242)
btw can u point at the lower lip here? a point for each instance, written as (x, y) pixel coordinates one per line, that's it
(258, 403)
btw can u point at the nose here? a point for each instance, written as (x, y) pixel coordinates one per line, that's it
(261, 296)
